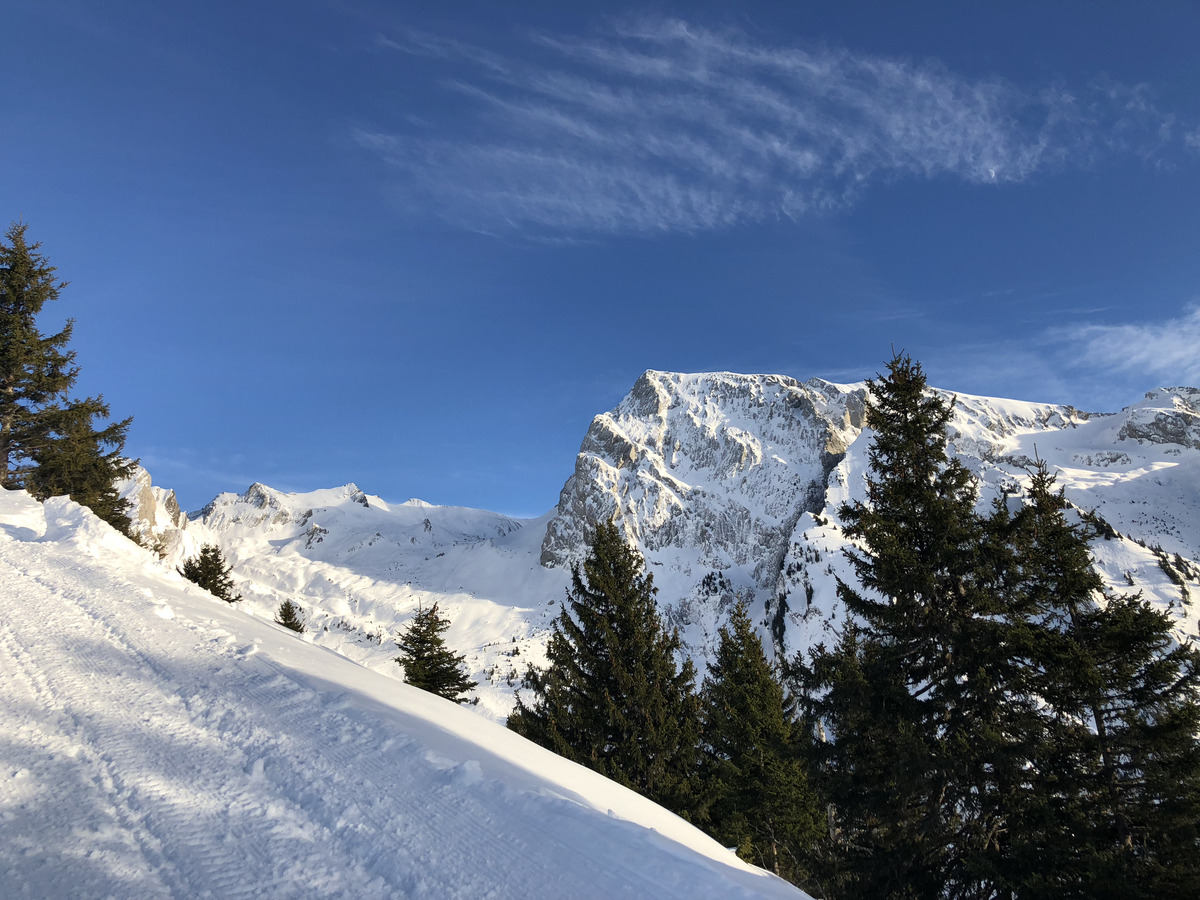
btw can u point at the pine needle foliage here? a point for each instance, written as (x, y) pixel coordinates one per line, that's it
(50, 443)
(76, 459)
(428, 663)
(1114, 805)
(210, 571)
(912, 696)
(613, 697)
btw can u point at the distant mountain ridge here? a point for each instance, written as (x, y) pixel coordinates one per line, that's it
(730, 484)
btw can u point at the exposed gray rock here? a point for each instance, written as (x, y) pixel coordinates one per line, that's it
(157, 520)
(709, 475)
(1168, 416)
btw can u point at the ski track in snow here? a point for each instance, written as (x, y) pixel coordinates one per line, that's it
(149, 750)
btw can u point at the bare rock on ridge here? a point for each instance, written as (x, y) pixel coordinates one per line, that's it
(720, 464)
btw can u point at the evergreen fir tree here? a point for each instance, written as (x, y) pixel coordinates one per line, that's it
(70, 459)
(753, 773)
(34, 370)
(613, 697)
(210, 571)
(289, 617)
(49, 442)
(428, 663)
(998, 725)
(922, 699)
(1114, 806)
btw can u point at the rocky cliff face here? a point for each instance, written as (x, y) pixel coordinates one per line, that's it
(158, 522)
(1170, 417)
(720, 464)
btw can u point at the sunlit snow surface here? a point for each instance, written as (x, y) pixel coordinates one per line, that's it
(156, 742)
(359, 568)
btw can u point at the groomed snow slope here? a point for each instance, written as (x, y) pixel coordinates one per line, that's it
(155, 742)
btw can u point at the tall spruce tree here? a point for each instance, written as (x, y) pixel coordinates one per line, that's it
(1114, 796)
(428, 663)
(753, 775)
(613, 697)
(918, 697)
(49, 442)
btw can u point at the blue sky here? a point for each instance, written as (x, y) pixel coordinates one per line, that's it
(418, 246)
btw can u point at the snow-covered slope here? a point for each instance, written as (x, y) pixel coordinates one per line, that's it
(1137, 470)
(156, 742)
(359, 568)
(730, 484)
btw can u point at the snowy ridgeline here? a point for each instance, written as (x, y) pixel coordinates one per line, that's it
(160, 743)
(730, 484)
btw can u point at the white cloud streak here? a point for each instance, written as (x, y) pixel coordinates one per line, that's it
(1165, 350)
(660, 126)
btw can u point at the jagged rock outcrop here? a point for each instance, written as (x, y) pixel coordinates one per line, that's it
(721, 463)
(158, 522)
(257, 505)
(1167, 416)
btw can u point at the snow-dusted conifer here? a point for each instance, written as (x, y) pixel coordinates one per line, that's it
(210, 571)
(613, 697)
(428, 663)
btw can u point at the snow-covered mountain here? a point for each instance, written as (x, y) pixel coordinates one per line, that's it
(730, 484)
(157, 742)
(1138, 471)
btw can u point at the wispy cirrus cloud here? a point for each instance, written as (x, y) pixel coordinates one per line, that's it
(1164, 350)
(660, 126)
